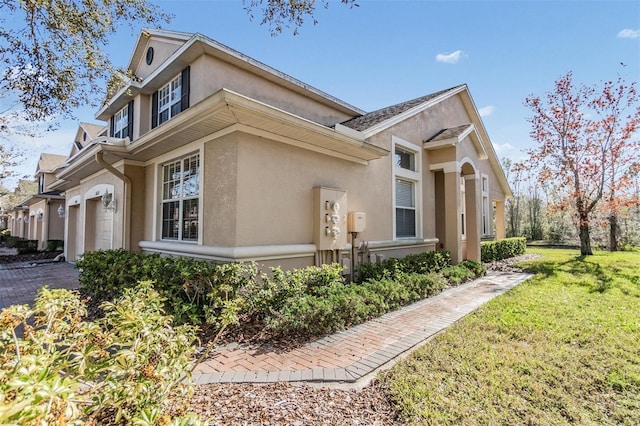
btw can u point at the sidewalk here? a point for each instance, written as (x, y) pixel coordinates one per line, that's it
(351, 357)
(356, 354)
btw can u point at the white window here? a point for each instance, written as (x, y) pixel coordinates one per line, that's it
(169, 99)
(406, 184)
(463, 208)
(486, 211)
(121, 123)
(180, 199)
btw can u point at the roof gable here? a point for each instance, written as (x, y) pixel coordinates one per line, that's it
(376, 121)
(49, 162)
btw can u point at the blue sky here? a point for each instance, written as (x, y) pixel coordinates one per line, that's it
(384, 52)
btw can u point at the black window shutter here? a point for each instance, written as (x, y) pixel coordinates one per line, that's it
(154, 110)
(130, 119)
(111, 126)
(184, 101)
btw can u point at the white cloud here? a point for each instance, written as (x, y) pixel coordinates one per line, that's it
(628, 33)
(502, 148)
(450, 58)
(486, 111)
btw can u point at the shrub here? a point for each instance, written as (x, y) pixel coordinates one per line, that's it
(117, 370)
(26, 246)
(491, 251)
(54, 245)
(420, 263)
(457, 274)
(339, 306)
(195, 291)
(12, 240)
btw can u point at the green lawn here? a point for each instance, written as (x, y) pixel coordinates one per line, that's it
(562, 348)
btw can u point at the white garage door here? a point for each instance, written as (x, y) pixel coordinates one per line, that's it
(103, 229)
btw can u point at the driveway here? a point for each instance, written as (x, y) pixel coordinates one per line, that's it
(20, 281)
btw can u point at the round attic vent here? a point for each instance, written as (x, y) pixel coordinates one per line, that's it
(149, 55)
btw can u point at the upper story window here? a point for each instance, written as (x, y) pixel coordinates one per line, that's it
(405, 159)
(180, 199)
(171, 99)
(122, 123)
(406, 184)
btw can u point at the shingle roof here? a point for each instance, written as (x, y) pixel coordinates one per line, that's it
(453, 132)
(370, 119)
(50, 161)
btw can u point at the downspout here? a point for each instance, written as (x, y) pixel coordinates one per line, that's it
(126, 211)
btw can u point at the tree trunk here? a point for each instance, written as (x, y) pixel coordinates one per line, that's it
(585, 238)
(613, 232)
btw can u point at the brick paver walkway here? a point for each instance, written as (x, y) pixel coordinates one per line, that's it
(349, 356)
(353, 354)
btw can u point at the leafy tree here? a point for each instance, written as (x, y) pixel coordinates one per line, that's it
(24, 189)
(584, 137)
(52, 51)
(280, 14)
(9, 158)
(513, 211)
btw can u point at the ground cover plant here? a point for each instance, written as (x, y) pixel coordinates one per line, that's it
(561, 348)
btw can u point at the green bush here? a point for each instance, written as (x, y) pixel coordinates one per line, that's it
(492, 251)
(421, 263)
(12, 240)
(26, 246)
(54, 245)
(340, 305)
(195, 291)
(118, 370)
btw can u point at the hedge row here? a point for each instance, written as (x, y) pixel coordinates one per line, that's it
(491, 251)
(22, 244)
(421, 263)
(310, 300)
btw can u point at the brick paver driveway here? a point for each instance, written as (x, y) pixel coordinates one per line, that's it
(19, 282)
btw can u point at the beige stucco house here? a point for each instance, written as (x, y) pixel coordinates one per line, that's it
(37, 217)
(212, 154)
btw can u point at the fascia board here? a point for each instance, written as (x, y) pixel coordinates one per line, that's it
(237, 58)
(411, 112)
(487, 145)
(236, 100)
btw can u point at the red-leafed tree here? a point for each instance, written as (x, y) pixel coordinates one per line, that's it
(585, 137)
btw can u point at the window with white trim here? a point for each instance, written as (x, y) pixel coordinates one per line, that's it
(407, 182)
(463, 208)
(486, 216)
(121, 123)
(169, 99)
(180, 199)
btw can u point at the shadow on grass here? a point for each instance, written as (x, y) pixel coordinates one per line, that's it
(576, 266)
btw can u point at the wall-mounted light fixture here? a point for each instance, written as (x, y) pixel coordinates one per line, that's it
(108, 201)
(40, 217)
(61, 211)
(26, 219)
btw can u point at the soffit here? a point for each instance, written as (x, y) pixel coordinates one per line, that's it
(226, 110)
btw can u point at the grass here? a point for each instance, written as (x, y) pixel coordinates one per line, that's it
(562, 348)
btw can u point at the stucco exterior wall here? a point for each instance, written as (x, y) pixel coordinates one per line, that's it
(209, 75)
(219, 191)
(275, 190)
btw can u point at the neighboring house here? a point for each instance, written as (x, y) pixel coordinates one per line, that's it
(212, 154)
(18, 221)
(44, 210)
